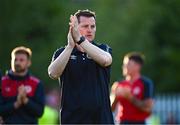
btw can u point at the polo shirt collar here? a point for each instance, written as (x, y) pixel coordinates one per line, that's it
(15, 77)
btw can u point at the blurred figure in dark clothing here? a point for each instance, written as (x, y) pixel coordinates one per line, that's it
(22, 97)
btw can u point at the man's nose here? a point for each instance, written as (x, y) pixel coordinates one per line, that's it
(17, 61)
(89, 29)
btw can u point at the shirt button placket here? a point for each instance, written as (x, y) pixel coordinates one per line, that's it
(83, 56)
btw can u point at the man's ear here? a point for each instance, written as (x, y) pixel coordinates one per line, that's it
(29, 63)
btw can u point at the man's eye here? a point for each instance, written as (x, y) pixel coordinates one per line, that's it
(85, 26)
(93, 26)
(21, 60)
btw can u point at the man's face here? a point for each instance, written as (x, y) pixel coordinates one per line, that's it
(87, 27)
(20, 63)
(130, 67)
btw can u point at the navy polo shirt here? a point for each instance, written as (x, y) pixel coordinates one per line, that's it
(85, 85)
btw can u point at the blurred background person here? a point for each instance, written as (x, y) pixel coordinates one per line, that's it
(51, 111)
(134, 93)
(171, 119)
(1, 119)
(22, 95)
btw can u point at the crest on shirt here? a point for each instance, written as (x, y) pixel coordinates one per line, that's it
(136, 90)
(73, 57)
(7, 89)
(28, 88)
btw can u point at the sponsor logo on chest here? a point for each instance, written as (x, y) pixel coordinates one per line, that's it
(28, 89)
(136, 91)
(73, 57)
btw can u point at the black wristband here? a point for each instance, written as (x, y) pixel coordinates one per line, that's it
(82, 39)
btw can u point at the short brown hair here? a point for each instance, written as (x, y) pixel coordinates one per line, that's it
(136, 56)
(22, 50)
(85, 13)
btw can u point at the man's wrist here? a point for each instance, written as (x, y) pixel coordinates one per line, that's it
(135, 101)
(69, 47)
(25, 101)
(81, 39)
(131, 97)
(16, 105)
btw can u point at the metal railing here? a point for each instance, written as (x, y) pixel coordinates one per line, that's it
(167, 108)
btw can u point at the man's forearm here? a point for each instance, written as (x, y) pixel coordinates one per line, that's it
(114, 104)
(101, 57)
(141, 104)
(56, 68)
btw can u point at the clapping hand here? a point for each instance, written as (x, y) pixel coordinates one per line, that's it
(74, 28)
(21, 97)
(22, 94)
(71, 42)
(124, 92)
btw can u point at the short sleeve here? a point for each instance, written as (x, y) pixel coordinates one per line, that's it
(106, 48)
(57, 53)
(149, 88)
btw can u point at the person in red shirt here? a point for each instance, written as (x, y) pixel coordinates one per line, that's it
(134, 93)
(22, 97)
